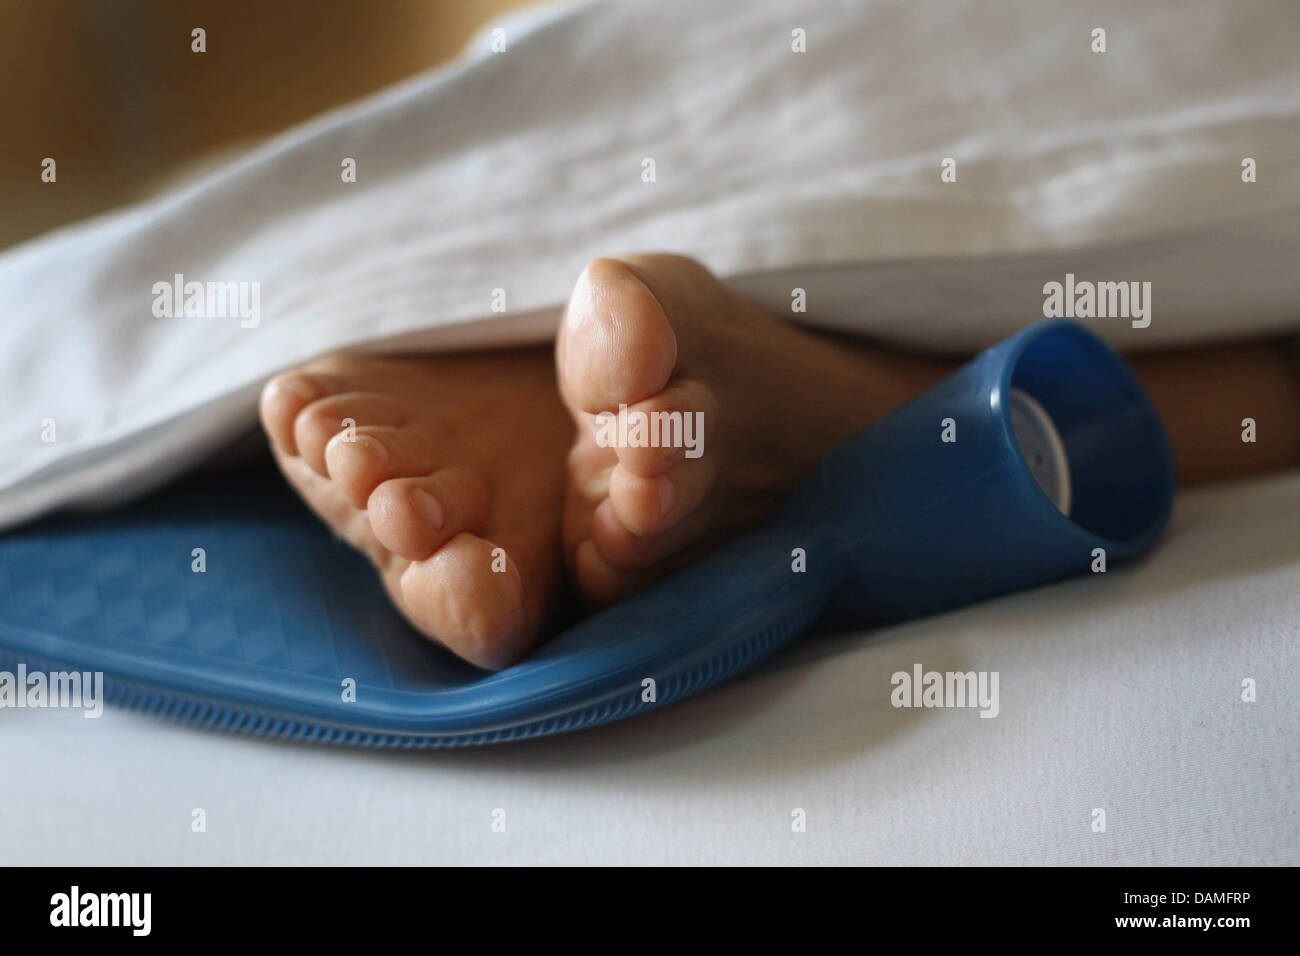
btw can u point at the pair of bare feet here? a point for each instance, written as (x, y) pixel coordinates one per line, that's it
(472, 480)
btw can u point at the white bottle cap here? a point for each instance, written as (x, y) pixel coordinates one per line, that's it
(1041, 446)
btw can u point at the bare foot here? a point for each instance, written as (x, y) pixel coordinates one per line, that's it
(450, 477)
(661, 334)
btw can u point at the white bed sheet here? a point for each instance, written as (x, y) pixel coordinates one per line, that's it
(1119, 692)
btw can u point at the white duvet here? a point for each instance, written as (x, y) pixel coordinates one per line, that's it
(792, 147)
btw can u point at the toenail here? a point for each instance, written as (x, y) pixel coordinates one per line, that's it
(428, 507)
(303, 387)
(667, 494)
(378, 453)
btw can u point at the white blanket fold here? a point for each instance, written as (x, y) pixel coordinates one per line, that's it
(489, 183)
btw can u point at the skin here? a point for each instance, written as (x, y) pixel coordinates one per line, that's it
(1203, 394)
(454, 457)
(659, 333)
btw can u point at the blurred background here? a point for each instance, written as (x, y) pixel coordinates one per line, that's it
(112, 91)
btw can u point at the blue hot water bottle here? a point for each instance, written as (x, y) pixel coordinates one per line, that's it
(1025, 466)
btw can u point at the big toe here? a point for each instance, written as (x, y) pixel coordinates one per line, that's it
(616, 344)
(472, 596)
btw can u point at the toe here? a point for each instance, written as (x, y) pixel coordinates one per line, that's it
(283, 398)
(652, 436)
(626, 551)
(320, 421)
(589, 467)
(470, 596)
(598, 580)
(359, 459)
(650, 506)
(413, 517)
(616, 343)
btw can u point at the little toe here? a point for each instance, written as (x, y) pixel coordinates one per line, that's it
(282, 399)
